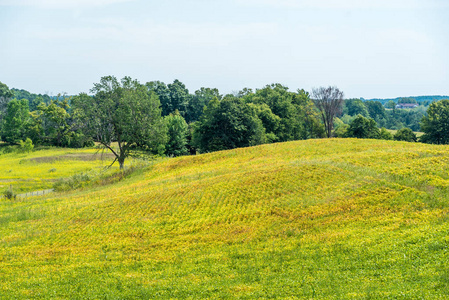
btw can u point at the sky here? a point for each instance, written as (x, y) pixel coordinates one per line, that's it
(366, 48)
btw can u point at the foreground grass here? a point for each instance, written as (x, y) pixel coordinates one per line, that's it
(311, 219)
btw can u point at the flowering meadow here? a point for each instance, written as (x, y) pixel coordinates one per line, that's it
(324, 219)
(38, 170)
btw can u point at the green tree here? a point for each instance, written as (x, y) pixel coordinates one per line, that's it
(329, 103)
(34, 104)
(244, 92)
(270, 121)
(177, 131)
(308, 116)
(5, 92)
(341, 130)
(5, 96)
(199, 101)
(227, 124)
(179, 97)
(354, 107)
(53, 123)
(275, 109)
(375, 109)
(435, 124)
(363, 128)
(286, 115)
(390, 104)
(122, 112)
(27, 145)
(16, 120)
(163, 93)
(33, 99)
(405, 134)
(384, 134)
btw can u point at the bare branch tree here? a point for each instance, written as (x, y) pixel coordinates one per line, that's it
(329, 102)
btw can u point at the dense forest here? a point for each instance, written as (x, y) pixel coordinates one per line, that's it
(167, 119)
(387, 116)
(414, 99)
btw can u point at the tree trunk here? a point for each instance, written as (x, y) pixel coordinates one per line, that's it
(121, 161)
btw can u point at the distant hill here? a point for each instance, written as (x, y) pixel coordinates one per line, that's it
(417, 98)
(24, 94)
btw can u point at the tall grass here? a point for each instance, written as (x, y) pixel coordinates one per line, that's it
(38, 170)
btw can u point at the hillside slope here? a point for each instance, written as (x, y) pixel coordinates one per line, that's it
(336, 218)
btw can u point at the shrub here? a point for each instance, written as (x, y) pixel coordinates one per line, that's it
(9, 194)
(71, 183)
(405, 134)
(384, 134)
(27, 145)
(341, 130)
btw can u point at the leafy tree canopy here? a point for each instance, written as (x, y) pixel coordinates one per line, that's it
(405, 134)
(163, 93)
(5, 96)
(198, 101)
(227, 124)
(354, 107)
(122, 112)
(177, 131)
(363, 128)
(15, 121)
(179, 97)
(435, 124)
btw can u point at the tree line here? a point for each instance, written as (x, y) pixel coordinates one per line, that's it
(165, 119)
(387, 116)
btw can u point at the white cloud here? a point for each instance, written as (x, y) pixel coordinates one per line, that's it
(59, 4)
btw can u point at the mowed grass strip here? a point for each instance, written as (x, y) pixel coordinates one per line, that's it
(326, 219)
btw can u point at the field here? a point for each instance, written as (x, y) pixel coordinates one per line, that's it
(324, 219)
(38, 170)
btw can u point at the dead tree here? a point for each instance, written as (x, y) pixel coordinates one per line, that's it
(329, 102)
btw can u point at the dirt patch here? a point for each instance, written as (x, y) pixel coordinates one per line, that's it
(81, 157)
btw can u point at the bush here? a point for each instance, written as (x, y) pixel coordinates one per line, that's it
(77, 140)
(27, 145)
(9, 194)
(405, 134)
(71, 183)
(384, 134)
(341, 130)
(8, 149)
(94, 178)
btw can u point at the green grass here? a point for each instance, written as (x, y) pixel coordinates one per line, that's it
(324, 219)
(38, 170)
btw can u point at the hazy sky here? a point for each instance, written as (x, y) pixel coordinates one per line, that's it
(372, 48)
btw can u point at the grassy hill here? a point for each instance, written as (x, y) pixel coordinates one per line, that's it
(326, 219)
